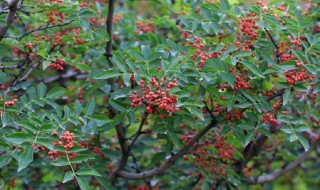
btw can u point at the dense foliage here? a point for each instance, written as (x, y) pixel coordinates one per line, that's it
(163, 94)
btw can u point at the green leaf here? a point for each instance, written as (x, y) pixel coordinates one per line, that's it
(56, 92)
(174, 139)
(120, 64)
(26, 157)
(304, 142)
(132, 117)
(27, 124)
(68, 176)
(99, 119)
(287, 96)
(41, 90)
(77, 107)
(19, 137)
(224, 5)
(242, 54)
(145, 51)
(111, 73)
(90, 107)
(119, 118)
(61, 161)
(101, 33)
(4, 160)
(229, 77)
(196, 112)
(82, 158)
(87, 14)
(45, 64)
(83, 183)
(87, 172)
(4, 118)
(301, 128)
(253, 68)
(206, 13)
(293, 137)
(45, 142)
(84, 24)
(230, 104)
(158, 157)
(241, 137)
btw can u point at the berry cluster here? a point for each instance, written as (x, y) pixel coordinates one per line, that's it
(28, 45)
(116, 18)
(282, 7)
(56, 17)
(240, 82)
(67, 140)
(207, 161)
(293, 76)
(224, 149)
(57, 65)
(234, 115)
(276, 105)
(269, 119)
(145, 27)
(83, 4)
(10, 103)
(200, 53)
(249, 26)
(155, 96)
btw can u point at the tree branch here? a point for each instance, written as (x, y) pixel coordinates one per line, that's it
(290, 166)
(139, 132)
(171, 161)
(109, 28)
(13, 5)
(279, 59)
(41, 28)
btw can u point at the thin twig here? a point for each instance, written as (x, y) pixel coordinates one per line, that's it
(109, 28)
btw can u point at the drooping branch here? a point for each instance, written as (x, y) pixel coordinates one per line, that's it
(109, 28)
(139, 132)
(171, 161)
(41, 28)
(13, 6)
(287, 168)
(279, 59)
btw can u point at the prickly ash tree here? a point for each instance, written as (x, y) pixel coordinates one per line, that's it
(183, 95)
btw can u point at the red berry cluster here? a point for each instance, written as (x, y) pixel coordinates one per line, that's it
(282, 7)
(249, 26)
(83, 4)
(311, 95)
(145, 27)
(56, 17)
(207, 161)
(260, 3)
(200, 52)
(67, 140)
(224, 149)
(234, 115)
(246, 45)
(10, 103)
(57, 40)
(116, 18)
(57, 65)
(28, 45)
(276, 105)
(285, 52)
(269, 119)
(240, 82)
(155, 96)
(293, 76)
